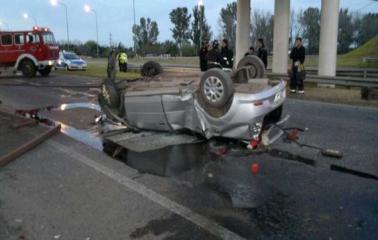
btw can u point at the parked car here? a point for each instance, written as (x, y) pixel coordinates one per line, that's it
(70, 61)
(216, 103)
(28, 51)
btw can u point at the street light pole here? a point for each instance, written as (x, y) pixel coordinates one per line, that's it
(67, 27)
(56, 2)
(26, 16)
(95, 13)
(133, 27)
(88, 9)
(200, 19)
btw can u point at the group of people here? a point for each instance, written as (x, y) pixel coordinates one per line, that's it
(261, 51)
(215, 56)
(223, 57)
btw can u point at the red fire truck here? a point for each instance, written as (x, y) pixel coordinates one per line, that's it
(28, 51)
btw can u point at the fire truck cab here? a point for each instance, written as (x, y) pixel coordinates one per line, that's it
(28, 51)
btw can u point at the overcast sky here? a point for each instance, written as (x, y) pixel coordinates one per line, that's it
(116, 16)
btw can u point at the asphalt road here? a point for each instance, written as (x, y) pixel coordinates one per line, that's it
(286, 200)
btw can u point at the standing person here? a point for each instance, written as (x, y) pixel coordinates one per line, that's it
(297, 55)
(251, 51)
(227, 55)
(122, 62)
(262, 53)
(214, 57)
(203, 56)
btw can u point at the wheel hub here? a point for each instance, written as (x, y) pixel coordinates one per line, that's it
(214, 89)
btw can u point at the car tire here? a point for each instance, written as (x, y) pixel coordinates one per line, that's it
(214, 65)
(256, 66)
(151, 68)
(45, 72)
(28, 68)
(110, 94)
(215, 88)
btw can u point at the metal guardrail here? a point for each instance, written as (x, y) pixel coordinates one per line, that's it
(340, 81)
(349, 77)
(370, 59)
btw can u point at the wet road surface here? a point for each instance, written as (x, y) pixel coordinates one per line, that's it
(287, 199)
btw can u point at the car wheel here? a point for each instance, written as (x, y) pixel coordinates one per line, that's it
(28, 68)
(216, 88)
(110, 94)
(45, 72)
(151, 68)
(214, 65)
(253, 65)
(67, 68)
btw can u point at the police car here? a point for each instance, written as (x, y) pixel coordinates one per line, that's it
(70, 61)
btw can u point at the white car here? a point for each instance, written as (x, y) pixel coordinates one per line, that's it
(70, 61)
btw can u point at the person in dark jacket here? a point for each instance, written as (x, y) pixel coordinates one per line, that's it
(227, 55)
(214, 57)
(262, 53)
(251, 51)
(203, 56)
(297, 55)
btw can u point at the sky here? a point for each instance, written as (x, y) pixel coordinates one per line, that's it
(116, 16)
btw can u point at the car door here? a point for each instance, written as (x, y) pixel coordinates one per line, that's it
(18, 46)
(7, 54)
(32, 41)
(146, 112)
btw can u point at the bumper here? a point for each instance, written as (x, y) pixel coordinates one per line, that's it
(46, 63)
(77, 67)
(247, 112)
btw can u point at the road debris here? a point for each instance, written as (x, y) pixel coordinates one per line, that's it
(12, 155)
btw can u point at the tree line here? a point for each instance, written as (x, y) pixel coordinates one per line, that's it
(354, 30)
(190, 28)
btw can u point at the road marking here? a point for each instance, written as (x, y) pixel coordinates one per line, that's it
(163, 201)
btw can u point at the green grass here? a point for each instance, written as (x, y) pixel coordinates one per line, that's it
(98, 69)
(354, 58)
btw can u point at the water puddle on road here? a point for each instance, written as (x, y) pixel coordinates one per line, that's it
(204, 163)
(213, 177)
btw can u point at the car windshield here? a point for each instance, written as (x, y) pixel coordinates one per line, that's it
(71, 56)
(48, 38)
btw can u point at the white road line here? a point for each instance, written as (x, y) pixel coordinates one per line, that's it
(199, 220)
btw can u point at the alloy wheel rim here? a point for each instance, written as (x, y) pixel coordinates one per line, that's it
(213, 89)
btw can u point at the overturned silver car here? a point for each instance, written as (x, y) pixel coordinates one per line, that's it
(237, 104)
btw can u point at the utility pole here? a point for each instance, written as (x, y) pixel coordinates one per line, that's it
(110, 40)
(135, 49)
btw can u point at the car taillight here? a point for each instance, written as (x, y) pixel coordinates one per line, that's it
(258, 103)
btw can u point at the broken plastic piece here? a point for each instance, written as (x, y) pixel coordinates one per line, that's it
(255, 168)
(331, 153)
(253, 144)
(293, 135)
